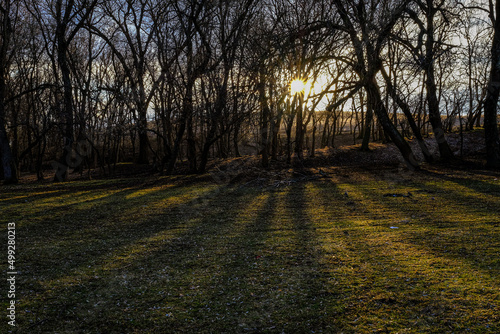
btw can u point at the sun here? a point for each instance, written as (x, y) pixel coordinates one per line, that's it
(297, 86)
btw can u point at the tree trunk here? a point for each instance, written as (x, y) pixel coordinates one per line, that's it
(435, 117)
(375, 100)
(67, 114)
(143, 136)
(367, 128)
(236, 134)
(265, 112)
(177, 146)
(8, 164)
(430, 85)
(211, 137)
(492, 94)
(275, 126)
(191, 142)
(313, 144)
(299, 130)
(288, 132)
(187, 110)
(411, 121)
(206, 149)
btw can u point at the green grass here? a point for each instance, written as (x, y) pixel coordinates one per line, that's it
(162, 256)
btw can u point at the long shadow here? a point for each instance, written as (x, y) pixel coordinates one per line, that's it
(478, 200)
(49, 190)
(476, 185)
(85, 236)
(79, 230)
(352, 273)
(179, 248)
(413, 211)
(212, 267)
(306, 257)
(238, 294)
(89, 203)
(22, 197)
(51, 200)
(377, 274)
(275, 265)
(219, 273)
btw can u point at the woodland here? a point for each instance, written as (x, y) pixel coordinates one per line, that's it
(89, 84)
(249, 166)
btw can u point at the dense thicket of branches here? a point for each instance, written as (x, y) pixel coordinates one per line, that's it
(90, 83)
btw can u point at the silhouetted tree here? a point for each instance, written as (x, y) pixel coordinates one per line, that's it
(6, 49)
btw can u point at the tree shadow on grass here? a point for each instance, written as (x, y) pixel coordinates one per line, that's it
(313, 295)
(239, 261)
(390, 284)
(132, 260)
(265, 277)
(457, 238)
(475, 185)
(21, 197)
(275, 283)
(87, 234)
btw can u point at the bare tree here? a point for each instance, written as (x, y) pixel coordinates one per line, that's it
(193, 18)
(129, 31)
(61, 21)
(493, 92)
(409, 116)
(426, 53)
(6, 31)
(232, 22)
(368, 26)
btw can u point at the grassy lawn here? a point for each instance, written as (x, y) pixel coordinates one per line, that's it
(157, 255)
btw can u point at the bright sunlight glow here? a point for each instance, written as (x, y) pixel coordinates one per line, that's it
(297, 86)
